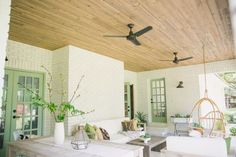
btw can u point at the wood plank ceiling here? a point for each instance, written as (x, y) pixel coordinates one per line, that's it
(178, 25)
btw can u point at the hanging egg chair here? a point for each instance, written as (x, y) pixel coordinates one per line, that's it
(211, 122)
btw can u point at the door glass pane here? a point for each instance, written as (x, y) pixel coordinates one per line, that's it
(29, 82)
(20, 95)
(154, 99)
(162, 83)
(162, 91)
(27, 123)
(27, 133)
(34, 122)
(26, 110)
(36, 83)
(34, 110)
(162, 98)
(35, 132)
(2, 125)
(21, 81)
(154, 91)
(153, 84)
(18, 123)
(19, 109)
(28, 96)
(1, 141)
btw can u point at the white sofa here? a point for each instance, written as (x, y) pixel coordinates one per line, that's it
(204, 147)
(114, 128)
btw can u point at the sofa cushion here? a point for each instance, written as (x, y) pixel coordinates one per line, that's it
(112, 126)
(90, 131)
(98, 133)
(119, 138)
(130, 125)
(105, 134)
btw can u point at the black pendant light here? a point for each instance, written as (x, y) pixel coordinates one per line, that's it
(6, 59)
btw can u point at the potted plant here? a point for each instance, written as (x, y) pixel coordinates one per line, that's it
(180, 118)
(145, 138)
(58, 110)
(141, 117)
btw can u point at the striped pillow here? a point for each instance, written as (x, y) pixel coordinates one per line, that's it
(105, 134)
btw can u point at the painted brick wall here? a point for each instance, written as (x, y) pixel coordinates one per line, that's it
(26, 57)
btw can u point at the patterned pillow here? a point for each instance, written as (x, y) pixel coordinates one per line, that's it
(126, 125)
(105, 134)
(130, 125)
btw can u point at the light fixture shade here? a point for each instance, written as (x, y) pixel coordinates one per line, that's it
(6, 59)
(80, 140)
(180, 85)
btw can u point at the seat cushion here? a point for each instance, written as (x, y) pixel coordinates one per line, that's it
(119, 138)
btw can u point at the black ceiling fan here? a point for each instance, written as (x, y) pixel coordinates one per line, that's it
(176, 59)
(132, 36)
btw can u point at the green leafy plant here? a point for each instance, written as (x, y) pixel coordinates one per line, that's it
(141, 117)
(177, 115)
(233, 131)
(146, 136)
(58, 110)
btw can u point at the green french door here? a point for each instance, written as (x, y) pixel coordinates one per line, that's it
(127, 100)
(158, 100)
(17, 114)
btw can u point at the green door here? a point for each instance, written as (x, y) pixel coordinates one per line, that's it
(16, 113)
(158, 100)
(127, 99)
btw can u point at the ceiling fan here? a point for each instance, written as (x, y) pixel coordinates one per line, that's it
(177, 60)
(132, 36)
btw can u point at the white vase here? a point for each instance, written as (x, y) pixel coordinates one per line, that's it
(59, 133)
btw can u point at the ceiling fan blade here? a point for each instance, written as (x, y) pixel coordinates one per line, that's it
(135, 41)
(183, 59)
(141, 32)
(115, 36)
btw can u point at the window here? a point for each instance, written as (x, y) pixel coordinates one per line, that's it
(158, 100)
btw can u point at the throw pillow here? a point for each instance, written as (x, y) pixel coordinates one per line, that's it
(90, 131)
(98, 133)
(105, 134)
(130, 125)
(218, 125)
(134, 125)
(126, 125)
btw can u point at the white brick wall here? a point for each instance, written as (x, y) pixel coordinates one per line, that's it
(102, 88)
(4, 28)
(60, 72)
(26, 57)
